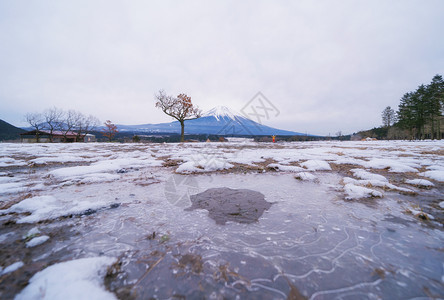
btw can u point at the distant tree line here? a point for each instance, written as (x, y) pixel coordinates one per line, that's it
(65, 122)
(419, 114)
(420, 111)
(166, 137)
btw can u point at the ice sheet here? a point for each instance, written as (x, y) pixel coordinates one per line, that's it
(349, 227)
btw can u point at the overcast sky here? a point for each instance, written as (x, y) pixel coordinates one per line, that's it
(325, 65)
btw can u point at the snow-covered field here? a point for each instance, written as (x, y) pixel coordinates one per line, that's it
(348, 219)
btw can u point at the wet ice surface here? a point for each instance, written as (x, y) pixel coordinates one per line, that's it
(321, 244)
(310, 241)
(225, 204)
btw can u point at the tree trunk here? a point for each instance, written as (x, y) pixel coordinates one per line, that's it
(433, 128)
(182, 131)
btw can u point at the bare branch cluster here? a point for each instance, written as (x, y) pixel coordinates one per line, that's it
(55, 119)
(180, 108)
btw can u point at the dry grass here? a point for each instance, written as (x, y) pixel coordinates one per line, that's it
(439, 152)
(171, 162)
(342, 168)
(6, 205)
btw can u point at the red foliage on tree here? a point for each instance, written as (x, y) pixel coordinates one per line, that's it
(110, 130)
(180, 108)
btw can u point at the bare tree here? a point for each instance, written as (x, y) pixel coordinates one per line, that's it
(180, 108)
(36, 121)
(53, 120)
(85, 124)
(71, 120)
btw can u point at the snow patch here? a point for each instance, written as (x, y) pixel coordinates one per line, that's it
(437, 175)
(95, 172)
(76, 279)
(98, 177)
(11, 162)
(48, 207)
(316, 165)
(37, 241)
(377, 183)
(32, 233)
(419, 182)
(279, 167)
(245, 157)
(58, 159)
(363, 174)
(204, 164)
(359, 192)
(11, 268)
(11, 188)
(391, 164)
(305, 176)
(188, 167)
(417, 213)
(8, 179)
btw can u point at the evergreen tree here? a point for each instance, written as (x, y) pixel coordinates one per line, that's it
(388, 117)
(419, 110)
(405, 113)
(435, 103)
(422, 109)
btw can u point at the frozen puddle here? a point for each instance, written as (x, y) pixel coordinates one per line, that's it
(310, 241)
(225, 204)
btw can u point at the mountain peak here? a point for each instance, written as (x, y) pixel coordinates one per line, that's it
(219, 120)
(220, 112)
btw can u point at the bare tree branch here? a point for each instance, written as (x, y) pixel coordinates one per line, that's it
(36, 121)
(53, 120)
(180, 108)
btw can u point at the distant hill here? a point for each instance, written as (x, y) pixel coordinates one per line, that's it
(218, 121)
(9, 132)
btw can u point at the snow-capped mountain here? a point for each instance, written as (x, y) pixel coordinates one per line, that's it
(219, 120)
(221, 112)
